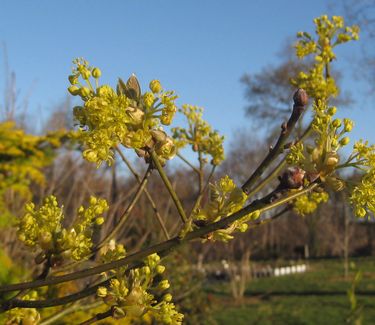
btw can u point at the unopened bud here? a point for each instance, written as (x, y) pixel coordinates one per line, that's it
(96, 73)
(73, 79)
(74, 90)
(300, 98)
(167, 297)
(344, 141)
(336, 123)
(155, 86)
(84, 91)
(160, 269)
(102, 292)
(85, 73)
(332, 110)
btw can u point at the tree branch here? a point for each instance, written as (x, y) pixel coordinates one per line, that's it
(148, 195)
(169, 187)
(300, 101)
(161, 249)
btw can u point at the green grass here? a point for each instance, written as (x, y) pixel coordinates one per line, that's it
(315, 297)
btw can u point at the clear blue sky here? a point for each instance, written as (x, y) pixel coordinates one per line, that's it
(200, 48)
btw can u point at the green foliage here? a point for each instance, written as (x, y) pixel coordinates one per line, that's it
(318, 296)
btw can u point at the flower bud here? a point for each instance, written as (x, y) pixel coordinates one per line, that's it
(344, 141)
(332, 110)
(300, 98)
(148, 99)
(164, 285)
(167, 297)
(348, 125)
(243, 227)
(99, 221)
(102, 292)
(74, 90)
(85, 73)
(155, 86)
(84, 92)
(160, 269)
(73, 79)
(96, 73)
(146, 270)
(336, 123)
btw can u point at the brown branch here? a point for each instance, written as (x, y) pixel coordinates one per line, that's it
(148, 195)
(300, 101)
(127, 212)
(169, 187)
(161, 248)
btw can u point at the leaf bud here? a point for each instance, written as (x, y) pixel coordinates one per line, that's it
(300, 97)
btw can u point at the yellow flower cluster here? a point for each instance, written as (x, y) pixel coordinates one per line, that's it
(363, 195)
(225, 199)
(322, 159)
(22, 157)
(318, 82)
(133, 295)
(24, 316)
(108, 118)
(308, 203)
(199, 135)
(42, 229)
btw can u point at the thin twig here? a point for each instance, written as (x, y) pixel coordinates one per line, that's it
(286, 130)
(127, 212)
(187, 162)
(199, 199)
(148, 195)
(169, 187)
(98, 317)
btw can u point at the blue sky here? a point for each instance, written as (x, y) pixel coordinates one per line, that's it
(198, 48)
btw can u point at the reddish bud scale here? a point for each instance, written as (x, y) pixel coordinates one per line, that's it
(300, 98)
